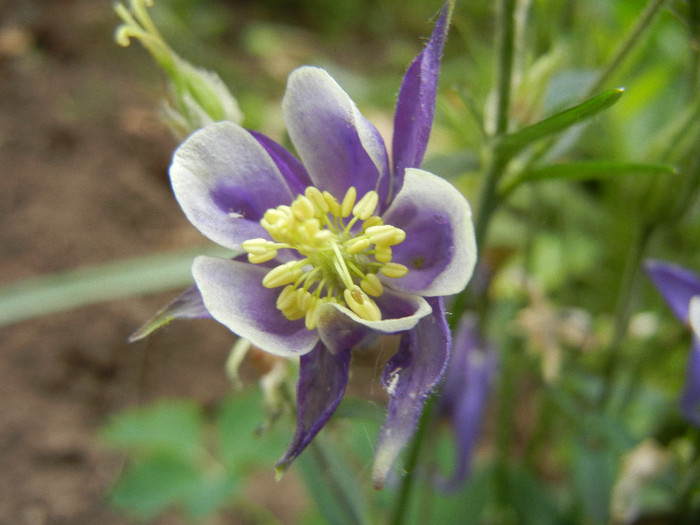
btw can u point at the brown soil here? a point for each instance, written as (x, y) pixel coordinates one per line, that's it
(83, 160)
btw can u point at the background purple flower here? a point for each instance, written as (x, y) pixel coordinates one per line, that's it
(464, 394)
(680, 288)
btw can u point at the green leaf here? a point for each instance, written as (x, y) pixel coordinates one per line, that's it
(514, 142)
(586, 170)
(333, 484)
(594, 477)
(530, 499)
(209, 493)
(242, 439)
(173, 426)
(115, 280)
(150, 485)
(469, 504)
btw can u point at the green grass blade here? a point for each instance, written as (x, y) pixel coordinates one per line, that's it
(511, 144)
(48, 294)
(586, 171)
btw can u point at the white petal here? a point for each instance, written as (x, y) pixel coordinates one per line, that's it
(440, 246)
(234, 295)
(224, 181)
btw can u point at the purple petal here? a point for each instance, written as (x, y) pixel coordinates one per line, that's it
(188, 305)
(234, 295)
(464, 393)
(416, 103)
(340, 328)
(690, 399)
(323, 377)
(225, 180)
(440, 248)
(338, 146)
(409, 377)
(676, 285)
(290, 167)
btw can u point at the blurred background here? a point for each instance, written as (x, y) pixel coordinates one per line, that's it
(84, 159)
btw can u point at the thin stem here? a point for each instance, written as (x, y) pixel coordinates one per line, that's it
(496, 161)
(689, 485)
(622, 309)
(403, 498)
(341, 497)
(505, 41)
(633, 37)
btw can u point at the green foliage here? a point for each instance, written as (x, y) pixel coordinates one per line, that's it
(172, 464)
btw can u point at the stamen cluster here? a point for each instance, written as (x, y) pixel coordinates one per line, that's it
(344, 246)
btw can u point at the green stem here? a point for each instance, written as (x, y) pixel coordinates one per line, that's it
(342, 499)
(504, 77)
(495, 160)
(403, 498)
(622, 309)
(688, 485)
(633, 37)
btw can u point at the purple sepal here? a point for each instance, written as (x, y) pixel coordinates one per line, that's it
(189, 305)
(415, 106)
(676, 285)
(690, 399)
(409, 377)
(323, 377)
(338, 331)
(290, 167)
(464, 394)
(338, 146)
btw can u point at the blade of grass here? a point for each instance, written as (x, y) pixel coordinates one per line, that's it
(585, 171)
(48, 294)
(511, 144)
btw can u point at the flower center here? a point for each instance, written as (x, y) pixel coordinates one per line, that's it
(343, 247)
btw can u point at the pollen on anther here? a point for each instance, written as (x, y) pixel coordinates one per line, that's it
(315, 195)
(385, 234)
(365, 207)
(348, 202)
(383, 253)
(372, 285)
(283, 274)
(394, 270)
(357, 245)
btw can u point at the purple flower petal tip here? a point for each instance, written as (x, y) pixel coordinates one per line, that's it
(680, 288)
(465, 392)
(323, 377)
(676, 284)
(409, 377)
(415, 106)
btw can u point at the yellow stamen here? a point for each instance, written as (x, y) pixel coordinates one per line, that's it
(365, 207)
(394, 270)
(385, 234)
(340, 258)
(383, 254)
(285, 273)
(348, 202)
(372, 285)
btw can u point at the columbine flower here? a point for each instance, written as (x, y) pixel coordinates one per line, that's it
(340, 246)
(680, 289)
(464, 394)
